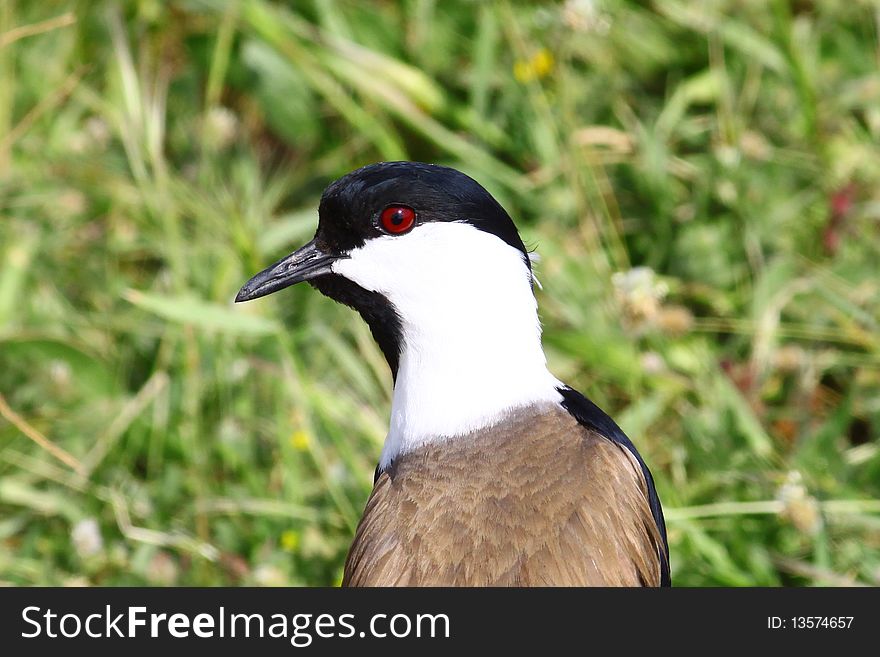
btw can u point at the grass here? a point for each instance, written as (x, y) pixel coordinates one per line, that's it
(700, 179)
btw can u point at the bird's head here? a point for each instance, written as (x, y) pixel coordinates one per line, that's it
(402, 242)
(437, 269)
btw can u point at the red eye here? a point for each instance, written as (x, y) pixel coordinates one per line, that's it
(397, 219)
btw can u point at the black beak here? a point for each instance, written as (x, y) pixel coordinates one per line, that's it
(302, 265)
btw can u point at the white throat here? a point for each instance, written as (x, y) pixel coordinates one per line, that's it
(471, 344)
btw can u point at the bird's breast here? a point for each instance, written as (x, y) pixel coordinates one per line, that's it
(533, 500)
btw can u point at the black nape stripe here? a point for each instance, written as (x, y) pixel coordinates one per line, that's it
(590, 415)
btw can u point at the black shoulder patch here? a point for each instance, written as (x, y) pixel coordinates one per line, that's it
(590, 415)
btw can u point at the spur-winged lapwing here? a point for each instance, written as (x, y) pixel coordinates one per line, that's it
(493, 472)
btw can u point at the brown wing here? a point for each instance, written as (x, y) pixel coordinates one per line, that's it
(558, 505)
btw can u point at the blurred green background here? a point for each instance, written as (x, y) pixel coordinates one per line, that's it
(700, 179)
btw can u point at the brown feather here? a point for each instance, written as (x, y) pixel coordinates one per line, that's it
(537, 500)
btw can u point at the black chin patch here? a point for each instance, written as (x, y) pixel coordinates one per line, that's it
(377, 311)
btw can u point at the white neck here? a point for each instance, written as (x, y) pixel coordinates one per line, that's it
(471, 340)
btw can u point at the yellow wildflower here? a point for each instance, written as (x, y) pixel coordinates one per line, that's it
(300, 440)
(289, 540)
(537, 66)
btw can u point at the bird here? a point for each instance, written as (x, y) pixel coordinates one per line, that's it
(493, 472)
